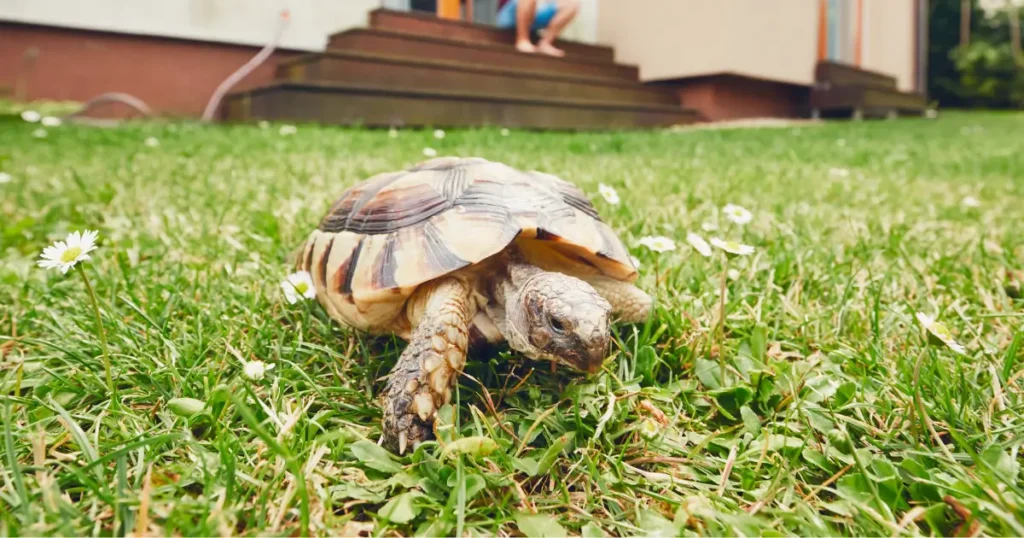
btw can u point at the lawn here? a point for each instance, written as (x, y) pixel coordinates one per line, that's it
(818, 406)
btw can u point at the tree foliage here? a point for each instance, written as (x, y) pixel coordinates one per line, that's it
(986, 73)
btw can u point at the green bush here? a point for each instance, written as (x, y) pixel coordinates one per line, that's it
(980, 75)
(989, 76)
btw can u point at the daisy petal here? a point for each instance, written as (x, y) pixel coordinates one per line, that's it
(609, 194)
(658, 243)
(737, 214)
(298, 287)
(732, 247)
(699, 244)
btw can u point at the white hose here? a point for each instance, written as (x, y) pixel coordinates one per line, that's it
(242, 72)
(113, 97)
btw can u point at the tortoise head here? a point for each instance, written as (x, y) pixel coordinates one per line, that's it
(560, 318)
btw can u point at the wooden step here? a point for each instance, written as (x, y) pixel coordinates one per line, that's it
(868, 102)
(371, 40)
(831, 74)
(427, 24)
(348, 104)
(398, 73)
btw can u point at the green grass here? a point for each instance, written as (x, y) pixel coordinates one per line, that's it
(819, 426)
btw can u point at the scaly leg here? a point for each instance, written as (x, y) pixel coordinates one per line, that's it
(630, 304)
(421, 381)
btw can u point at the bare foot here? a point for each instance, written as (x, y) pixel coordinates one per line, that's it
(525, 46)
(549, 49)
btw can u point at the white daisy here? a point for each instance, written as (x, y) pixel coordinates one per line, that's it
(658, 244)
(5, 178)
(699, 244)
(439, 134)
(39, 133)
(429, 152)
(649, 429)
(737, 214)
(505, 132)
(608, 193)
(970, 201)
(264, 124)
(65, 254)
(298, 286)
(50, 121)
(709, 226)
(939, 331)
(30, 116)
(151, 142)
(838, 172)
(993, 248)
(287, 130)
(636, 262)
(393, 133)
(733, 274)
(255, 370)
(732, 247)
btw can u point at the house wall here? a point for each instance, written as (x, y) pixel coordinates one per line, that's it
(889, 39)
(729, 97)
(684, 38)
(771, 40)
(584, 27)
(175, 77)
(238, 22)
(170, 53)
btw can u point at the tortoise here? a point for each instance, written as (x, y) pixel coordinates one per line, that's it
(458, 253)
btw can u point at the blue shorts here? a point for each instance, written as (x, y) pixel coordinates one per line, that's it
(541, 19)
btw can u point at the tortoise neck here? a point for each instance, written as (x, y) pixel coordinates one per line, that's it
(518, 270)
(515, 272)
(520, 273)
(507, 308)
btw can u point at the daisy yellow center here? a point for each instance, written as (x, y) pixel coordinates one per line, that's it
(941, 331)
(301, 287)
(70, 254)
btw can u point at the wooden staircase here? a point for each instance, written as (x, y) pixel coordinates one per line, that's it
(415, 70)
(841, 89)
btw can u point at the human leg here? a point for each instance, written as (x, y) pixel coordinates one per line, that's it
(526, 10)
(563, 13)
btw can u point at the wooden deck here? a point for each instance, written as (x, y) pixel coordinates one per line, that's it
(419, 23)
(411, 69)
(846, 90)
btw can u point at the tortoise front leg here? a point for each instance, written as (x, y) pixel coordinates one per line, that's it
(630, 304)
(421, 381)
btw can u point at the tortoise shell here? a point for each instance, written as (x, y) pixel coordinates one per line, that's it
(395, 231)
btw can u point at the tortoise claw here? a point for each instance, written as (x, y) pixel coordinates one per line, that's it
(403, 441)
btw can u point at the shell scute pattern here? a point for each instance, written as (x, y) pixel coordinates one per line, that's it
(384, 237)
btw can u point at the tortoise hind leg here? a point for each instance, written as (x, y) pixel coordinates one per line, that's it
(630, 304)
(421, 380)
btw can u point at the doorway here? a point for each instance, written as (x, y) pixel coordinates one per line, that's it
(484, 11)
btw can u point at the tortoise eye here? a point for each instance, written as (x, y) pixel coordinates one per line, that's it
(557, 325)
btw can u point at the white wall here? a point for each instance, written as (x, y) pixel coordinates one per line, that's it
(584, 27)
(247, 22)
(770, 39)
(889, 40)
